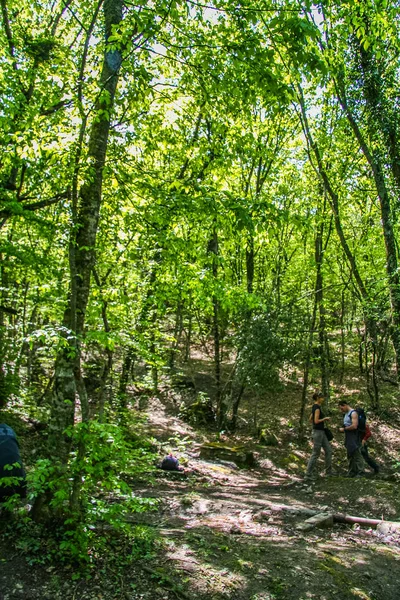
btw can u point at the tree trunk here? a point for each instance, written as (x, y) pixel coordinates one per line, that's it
(235, 408)
(127, 367)
(189, 330)
(3, 390)
(361, 349)
(213, 250)
(387, 217)
(83, 243)
(250, 264)
(177, 333)
(342, 338)
(319, 298)
(307, 362)
(334, 202)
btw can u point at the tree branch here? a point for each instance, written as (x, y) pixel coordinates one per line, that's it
(8, 310)
(7, 212)
(8, 31)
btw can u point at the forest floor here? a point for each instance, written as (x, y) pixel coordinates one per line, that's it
(235, 534)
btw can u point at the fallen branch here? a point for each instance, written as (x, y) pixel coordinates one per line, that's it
(326, 519)
(341, 518)
(336, 517)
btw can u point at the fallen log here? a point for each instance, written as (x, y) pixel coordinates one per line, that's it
(342, 518)
(337, 517)
(297, 510)
(326, 519)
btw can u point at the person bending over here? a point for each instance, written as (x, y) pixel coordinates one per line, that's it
(171, 463)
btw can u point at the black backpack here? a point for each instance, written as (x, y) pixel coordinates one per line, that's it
(362, 420)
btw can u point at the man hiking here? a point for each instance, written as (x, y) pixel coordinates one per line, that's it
(351, 440)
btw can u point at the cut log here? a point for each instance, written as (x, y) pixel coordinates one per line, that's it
(337, 517)
(381, 525)
(295, 509)
(319, 520)
(322, 520)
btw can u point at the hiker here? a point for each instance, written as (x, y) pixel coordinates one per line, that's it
(9, 455)
(352, 442)
(320, 439)
(171, 463)
(364, 449)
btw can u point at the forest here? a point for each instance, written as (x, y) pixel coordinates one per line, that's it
(199, 228)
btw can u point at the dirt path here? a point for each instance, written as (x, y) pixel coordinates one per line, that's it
(223, 533)
(228, 537)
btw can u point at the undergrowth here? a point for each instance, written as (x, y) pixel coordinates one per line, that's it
(95, 532)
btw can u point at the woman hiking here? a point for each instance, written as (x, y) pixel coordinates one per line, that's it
(319, 439)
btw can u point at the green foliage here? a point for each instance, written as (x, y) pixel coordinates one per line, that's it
(204, 135)
(205, 143)
(79, 536)
(9, 385)
(263, 351)
(210, 546)
(40, 48)
(200, 412)
(81, 548)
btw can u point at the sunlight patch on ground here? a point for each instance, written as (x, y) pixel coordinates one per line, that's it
(219, 469)
(359, 559)
(369, 501)
(267, 464)
(391, 436)
(235, 524)
(360, 594)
